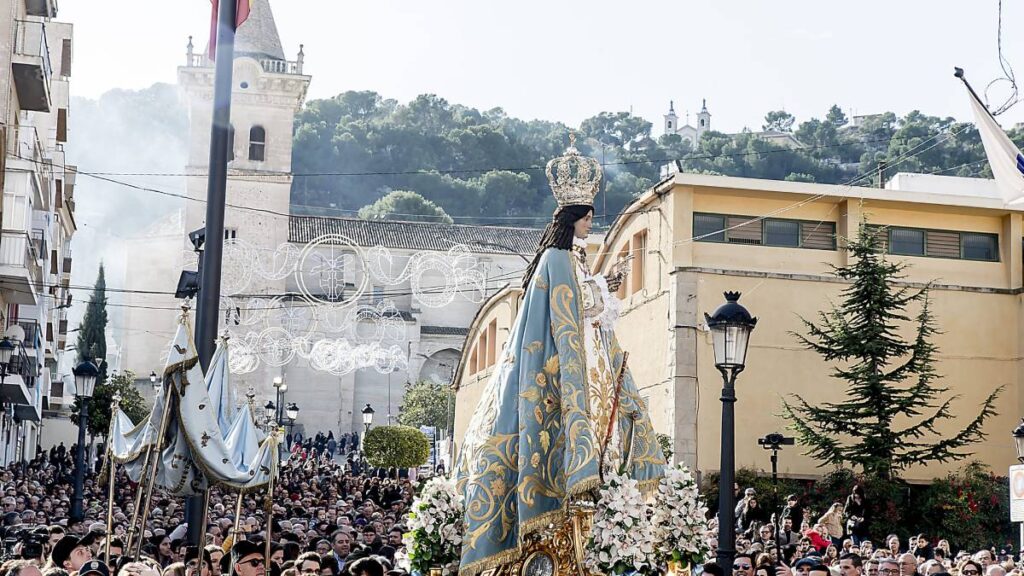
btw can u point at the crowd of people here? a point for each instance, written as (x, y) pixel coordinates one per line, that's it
(794, 541)
(328, 517)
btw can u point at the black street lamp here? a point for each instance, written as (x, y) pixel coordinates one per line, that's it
(730, 326)
(291, 414)
(1018, 440)
(6, 352)
(270, 412)
(367, 420)
(85, 382)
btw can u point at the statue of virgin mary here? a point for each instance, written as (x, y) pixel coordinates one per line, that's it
(560, 408)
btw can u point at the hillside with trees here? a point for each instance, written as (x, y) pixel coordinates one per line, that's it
(484, 166)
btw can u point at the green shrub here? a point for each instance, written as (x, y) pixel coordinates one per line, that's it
(396, 447)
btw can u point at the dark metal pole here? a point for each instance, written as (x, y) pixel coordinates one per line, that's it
(216, 195)
(76, 500)
(775, 466)
(726, 496)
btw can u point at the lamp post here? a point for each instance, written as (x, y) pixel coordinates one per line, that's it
(1018, 439)
(6, 352)
(730, 326)
(291, 413)
(280, 388)
(85, 382)
(270, 413)
(367, 420)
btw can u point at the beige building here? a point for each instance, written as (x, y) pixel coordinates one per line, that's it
(695, 236)
(38, 217)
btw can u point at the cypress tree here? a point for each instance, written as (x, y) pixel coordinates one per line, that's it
(888, 416)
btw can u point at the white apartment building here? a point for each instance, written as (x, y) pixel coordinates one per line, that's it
(37, 219)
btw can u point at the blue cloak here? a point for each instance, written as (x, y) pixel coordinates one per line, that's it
(530, 448)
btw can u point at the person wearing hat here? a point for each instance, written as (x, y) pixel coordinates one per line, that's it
(247, 558)
(94, 567)
(71, 553)
(196, 563)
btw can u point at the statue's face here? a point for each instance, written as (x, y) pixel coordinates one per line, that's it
(583, 225)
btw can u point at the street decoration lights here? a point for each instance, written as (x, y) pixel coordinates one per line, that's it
(85, 383)
(730, 326)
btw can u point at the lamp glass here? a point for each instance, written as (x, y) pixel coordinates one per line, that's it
(278, 380)
(367, 415)
(152, 378)
(85, 384)
(292, 411)
(270, 409)
(730, 343)
(283, 388)
(1018, 440)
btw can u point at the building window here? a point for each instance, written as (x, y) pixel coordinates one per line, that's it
(639, 256)
(782, 233)
(906, 241)
(492, 337)
(623, 254)
(709, 227)
(977, 246)
(230, 233)
(231, 142)
(669, 124)
(817, 235)
(257, 143)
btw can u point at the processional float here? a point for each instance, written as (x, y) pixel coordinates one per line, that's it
(193, 439)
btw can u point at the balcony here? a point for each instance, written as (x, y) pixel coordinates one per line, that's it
(31, 65)
(20, 379)
(21, 278)
(281, 66)
(26, 153)
(44, 8)
(32, 334)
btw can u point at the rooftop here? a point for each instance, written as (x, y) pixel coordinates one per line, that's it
(903, 187)
(416, 235)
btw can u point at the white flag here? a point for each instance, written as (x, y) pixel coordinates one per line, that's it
(1003, 156)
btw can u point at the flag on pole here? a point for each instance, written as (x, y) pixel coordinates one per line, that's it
(244, 7)
(1004, 157)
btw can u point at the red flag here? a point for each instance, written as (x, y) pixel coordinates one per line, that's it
(243, 7)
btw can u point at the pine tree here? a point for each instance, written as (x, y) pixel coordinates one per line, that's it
(92, 346)
(92, 332)
(889, 417)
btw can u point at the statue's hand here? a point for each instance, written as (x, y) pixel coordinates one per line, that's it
(615, 281)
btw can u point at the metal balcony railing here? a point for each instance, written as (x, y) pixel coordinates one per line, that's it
(31, 328)
(16, 250)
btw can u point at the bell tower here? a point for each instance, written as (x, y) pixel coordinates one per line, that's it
(671, 120)
(703, 119)
(268, 91)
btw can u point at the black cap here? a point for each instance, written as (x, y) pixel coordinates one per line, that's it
(243, 548)
(94, 567)
(64, 547)
(807, 562)
(192, 552)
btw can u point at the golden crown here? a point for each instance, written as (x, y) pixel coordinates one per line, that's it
(574, 178)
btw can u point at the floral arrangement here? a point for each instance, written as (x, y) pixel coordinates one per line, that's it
(435, 528)
(622, 537)
(680, 519)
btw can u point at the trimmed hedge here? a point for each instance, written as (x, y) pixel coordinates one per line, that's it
(396, 447)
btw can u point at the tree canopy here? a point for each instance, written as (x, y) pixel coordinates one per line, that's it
(396, 447)
(487, 167)
(101, 406)
(404, 205)
(426, 403)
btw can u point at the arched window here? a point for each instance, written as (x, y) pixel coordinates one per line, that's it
(231, 142)
(669, 124)
(257, 143)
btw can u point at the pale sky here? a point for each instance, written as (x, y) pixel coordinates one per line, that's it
(566, 61)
